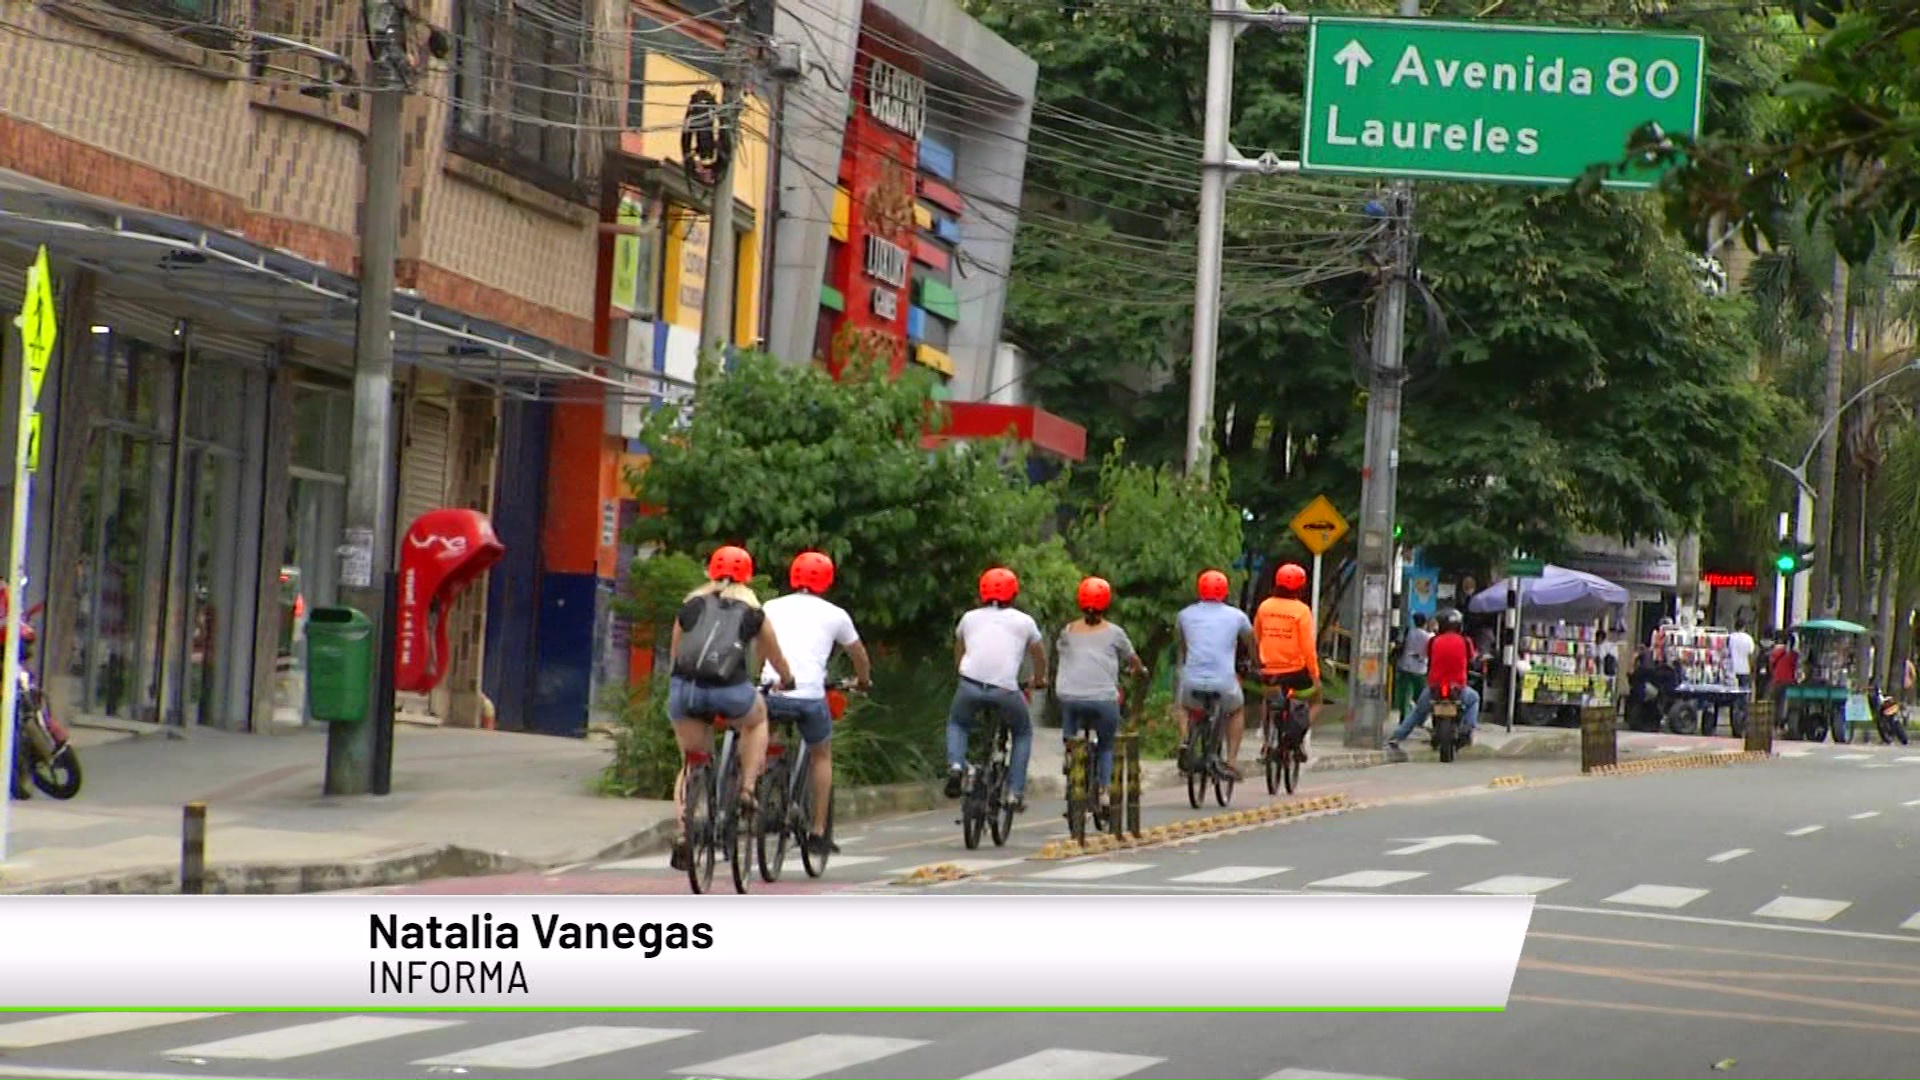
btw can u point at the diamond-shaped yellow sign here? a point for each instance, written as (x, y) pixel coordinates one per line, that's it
(1319, 526)
(38, 326)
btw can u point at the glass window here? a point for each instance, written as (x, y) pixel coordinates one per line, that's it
(322, 429)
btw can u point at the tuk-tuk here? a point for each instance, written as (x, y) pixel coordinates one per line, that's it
(1826, 680)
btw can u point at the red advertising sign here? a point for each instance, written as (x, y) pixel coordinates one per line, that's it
(1739, 581)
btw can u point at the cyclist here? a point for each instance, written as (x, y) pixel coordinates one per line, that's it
(1448, 655)
(1087, 679)
(988, 646)
(1210, 632)
(1283, 626)
(808, 627)
(713, 677)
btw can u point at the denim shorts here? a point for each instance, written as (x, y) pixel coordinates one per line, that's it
(815, 721)
(687, 700)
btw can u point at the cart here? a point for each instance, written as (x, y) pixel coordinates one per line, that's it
(1825, 680)
(1703, 681)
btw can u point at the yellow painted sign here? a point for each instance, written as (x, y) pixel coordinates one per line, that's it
(626, 257)
(1319, 526)
(38, 326)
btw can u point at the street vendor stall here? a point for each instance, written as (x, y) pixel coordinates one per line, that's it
(1701, 659)
(1828, 685)
(1559, 663)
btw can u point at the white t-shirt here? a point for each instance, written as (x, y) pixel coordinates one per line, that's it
(996, 640)
(807, 628)
(1740, 652)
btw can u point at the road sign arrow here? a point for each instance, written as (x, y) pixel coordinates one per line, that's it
(1435, 843)
(1353, 57)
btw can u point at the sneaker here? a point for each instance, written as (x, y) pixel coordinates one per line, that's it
(1393, 744)
(1018, 803)
(953, 783)
(818, 845)
(681, 856)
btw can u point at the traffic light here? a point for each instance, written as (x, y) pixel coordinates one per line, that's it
(1793, 559)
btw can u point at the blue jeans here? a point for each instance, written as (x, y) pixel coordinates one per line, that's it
(1104, 718)
(1469, 712)
(812, 716)
(968, 701)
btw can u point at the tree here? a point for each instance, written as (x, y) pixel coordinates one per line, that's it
(1149, 532)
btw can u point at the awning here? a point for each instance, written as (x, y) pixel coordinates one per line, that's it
(232, 284)
(1035, 426)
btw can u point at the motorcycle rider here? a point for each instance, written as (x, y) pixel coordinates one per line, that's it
(1448, 655)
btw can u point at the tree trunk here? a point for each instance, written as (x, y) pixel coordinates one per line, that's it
(1905, 594)
(1883, 621)
(1820, 601)
(1849, 546)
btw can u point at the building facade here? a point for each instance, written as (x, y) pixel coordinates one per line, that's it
(195, 174)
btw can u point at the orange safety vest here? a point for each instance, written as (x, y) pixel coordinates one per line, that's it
(1284, 632)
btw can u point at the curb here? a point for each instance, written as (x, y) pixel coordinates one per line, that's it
(1688, 761)
(1191, 827)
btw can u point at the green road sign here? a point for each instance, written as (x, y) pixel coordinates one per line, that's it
(1467, 101)
(1525, 568)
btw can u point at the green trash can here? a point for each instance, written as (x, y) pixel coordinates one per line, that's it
(339, 664)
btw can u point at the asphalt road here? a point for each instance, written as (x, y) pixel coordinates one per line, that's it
(1762, 918)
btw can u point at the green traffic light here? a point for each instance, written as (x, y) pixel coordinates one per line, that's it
(1786, 563)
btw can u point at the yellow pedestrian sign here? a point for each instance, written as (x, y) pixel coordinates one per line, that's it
(38, 326)
(1319, 526)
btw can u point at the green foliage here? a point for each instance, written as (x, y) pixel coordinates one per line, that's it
(646, 759)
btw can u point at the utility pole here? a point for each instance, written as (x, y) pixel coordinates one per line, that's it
(360, 756)
(1823, 480)
(1220, 165)
(1367, 714)
(716, 307)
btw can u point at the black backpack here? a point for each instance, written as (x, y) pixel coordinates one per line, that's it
(714, 649)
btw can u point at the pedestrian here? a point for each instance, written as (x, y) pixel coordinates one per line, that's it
(1740, 649)
(1781, 665)
(1413, 665)
(1908, 681)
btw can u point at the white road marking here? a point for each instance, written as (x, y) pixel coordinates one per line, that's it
(853, 860)
(1093, 871)
(1910, 759)
(804, 1058)
(550, 1048)
(1231, 875)
(1852, 757)
(1805, 830)
(1739, 924)
(68, 1027)
(279, 1044)
(1864, 816)
(1912, 923)
(645, 862)
(1068, 1065)
(1309, 1074)
(1513, 885)
(1367, 879)
(1803, 908)
(28, 1072)
(1795, 752)
(1729, 856)
(1911, 802)
(1658, 896)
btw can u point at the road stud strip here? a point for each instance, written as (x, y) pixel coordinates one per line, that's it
(933, 875)
(1508, 781)
(1685, 761)
(1103, 843)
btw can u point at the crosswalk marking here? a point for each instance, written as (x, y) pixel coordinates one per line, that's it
(1090, 871)
(853, 860)
(300, 1040)
(1805, 830)
(1367, 879)
(1513, 884)
(1309, 1074)
(1912, 923)
(1864, 815)
(1794, 752)
(1230, 875)
(645, 862)
(547, 1049)
(1802, 908)
(1068, 1065)
(1911, 802)
(1910, 759)
(802, 1059)
(1729, 856)
(1657, 896)
(70, 1027)
(1312, 1075)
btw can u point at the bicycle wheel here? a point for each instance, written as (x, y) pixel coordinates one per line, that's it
(772, 829)
(1200, 756)
(803, 822)
(1077, 788)
(1222, 787)
(700, 846)
(736, 833)
(1273, 753)
(999, 805)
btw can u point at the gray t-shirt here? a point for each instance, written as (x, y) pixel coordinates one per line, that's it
(1090, 662)
(1413, 657)
(1211, 630)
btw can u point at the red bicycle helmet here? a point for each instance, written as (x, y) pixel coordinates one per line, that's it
(1290, 577)
(811, 571)
(1095, 594)
(730, 564)
(999, 586)
(1213, 586)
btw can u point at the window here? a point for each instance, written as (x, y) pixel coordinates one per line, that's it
(204, 22)
(519, 86)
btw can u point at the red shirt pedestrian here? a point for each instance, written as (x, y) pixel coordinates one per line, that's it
(1447, 657)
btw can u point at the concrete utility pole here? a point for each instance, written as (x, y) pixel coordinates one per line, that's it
(1220, 164)
(1823, 480)
(716, 304)
(360, 756)
(1367, 714)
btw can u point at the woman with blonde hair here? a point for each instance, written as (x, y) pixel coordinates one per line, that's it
(712, 675)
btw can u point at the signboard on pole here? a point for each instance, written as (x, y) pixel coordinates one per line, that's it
(1472, 101)
(1319, 526)
(39, 328)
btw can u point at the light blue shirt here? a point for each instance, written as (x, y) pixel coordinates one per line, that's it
(1211, 632)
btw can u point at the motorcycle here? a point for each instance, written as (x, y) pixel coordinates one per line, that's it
(1888, 718)
(1448, 735)
(43, 752)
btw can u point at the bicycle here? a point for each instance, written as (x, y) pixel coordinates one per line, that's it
(786, 792)
(713, 814)
(1200, 755)
(983, 794)
(1083, 802)
(1280, 747)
